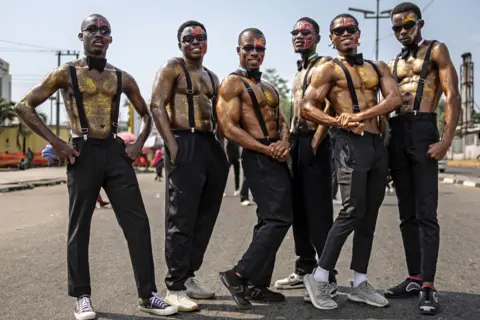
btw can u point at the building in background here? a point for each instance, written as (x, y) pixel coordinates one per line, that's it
(5, 81)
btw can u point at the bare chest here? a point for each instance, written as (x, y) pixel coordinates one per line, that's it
(409, 70)
(363, 77)
(200, 82)
(102, 86)
(300, 84)
(264, 94)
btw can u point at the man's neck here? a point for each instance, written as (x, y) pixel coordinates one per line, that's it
(307, 56)
(245, 69)
(419, 41)
(347, 53)
(95, 55)
(193, 64)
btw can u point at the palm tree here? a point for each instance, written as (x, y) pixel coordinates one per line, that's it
(23, 132)
(6, 111)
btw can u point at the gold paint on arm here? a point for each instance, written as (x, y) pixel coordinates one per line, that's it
(25, 109)
(130, 87)
(449, 82)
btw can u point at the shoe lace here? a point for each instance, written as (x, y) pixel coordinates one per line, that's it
(293, 276)
(368, 288)
(84, 304)
(323, 289)
(157, 301)
(183, 295)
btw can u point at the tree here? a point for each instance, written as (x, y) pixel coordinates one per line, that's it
(6, 111)
(440, 115)
(23, 132)
(282, 85)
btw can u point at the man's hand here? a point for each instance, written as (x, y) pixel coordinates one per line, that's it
(173, 152)
(345, 118)
(438, 150)
(133, 150)
(280, 150)
(64, 151)
(356, 127)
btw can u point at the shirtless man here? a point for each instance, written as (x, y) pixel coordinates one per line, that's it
(91, 89)
(415, 148)
(249, 114)
(351, 84)
(195, 163)
(311, 165)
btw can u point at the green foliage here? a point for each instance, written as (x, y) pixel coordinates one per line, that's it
(6, 111)
(282, 85)
(440, 115)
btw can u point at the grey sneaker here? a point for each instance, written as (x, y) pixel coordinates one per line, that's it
(196, 291)
(365, 293)
(333, 292)
(294, 281)
(320, 293)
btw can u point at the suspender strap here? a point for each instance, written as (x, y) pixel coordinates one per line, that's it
(305, 79)
(78, 101)
(191, 113)
(395, 75)
(351, 88)
(116, 107)
(256, 108)
(421, 80)
(214, 99)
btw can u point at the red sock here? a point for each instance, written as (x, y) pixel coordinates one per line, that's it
(415, 278)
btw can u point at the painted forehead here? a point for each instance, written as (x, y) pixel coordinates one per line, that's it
(303, 25)
(404, 17)
(95, 21)
(253, 39)
(344, 22)
(193, 30)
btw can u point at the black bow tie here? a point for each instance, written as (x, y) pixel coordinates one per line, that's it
(355, 60)
(411, 50)
(96, 63)
(255, 74)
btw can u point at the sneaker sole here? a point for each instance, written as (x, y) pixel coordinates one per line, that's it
(315, 304)
(307, 298)
(182, 309)
(86, 315)
(160, 312)
(200, 297)
(428, 311)
(299, 285)
(356, 298)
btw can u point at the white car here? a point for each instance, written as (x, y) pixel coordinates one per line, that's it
(442, 165)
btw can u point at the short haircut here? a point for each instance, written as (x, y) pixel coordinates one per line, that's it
(407, 6)
(312, 22)
(342, 15)
(189, 23)
(93, 16)
(250, 30)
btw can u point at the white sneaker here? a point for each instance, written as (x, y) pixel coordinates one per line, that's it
(84, 309)
(294, 281)
(333, 292)
(336, 201)
(365, 293)
(236, 193)
(181, 300)
(196, 291)
(245, 203)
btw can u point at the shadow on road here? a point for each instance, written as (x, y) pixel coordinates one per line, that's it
(455, 306)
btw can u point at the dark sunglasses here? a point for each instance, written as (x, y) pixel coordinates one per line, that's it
(407, 26)
(251, 48)
(190, 38)
(303, 32)
(341, 30)
(104, 31)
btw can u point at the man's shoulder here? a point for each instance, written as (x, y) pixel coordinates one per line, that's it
(323, 60)
(230, 86)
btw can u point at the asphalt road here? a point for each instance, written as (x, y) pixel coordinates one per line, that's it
(33, 266)
(466, 171)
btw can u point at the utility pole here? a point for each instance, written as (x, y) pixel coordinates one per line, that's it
(379, 15)
(61, 53)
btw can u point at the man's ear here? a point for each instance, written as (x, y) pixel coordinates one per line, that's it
(80, 36)
(421, 23)
(179, 46)
(238, 50)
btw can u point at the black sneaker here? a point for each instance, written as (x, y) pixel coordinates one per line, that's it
(263, 294)
(409, 287)
(84, 309)
(237, 287)
(428, 303)
(156, 305)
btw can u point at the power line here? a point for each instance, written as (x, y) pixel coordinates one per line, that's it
(428, 5)
(28, 45)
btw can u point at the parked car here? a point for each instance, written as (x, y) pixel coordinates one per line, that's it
(442, 164)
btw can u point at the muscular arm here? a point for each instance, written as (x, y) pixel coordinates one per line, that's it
(133, 93)
(229, 110)
(218, 133)
(449, 82)
(284, 128)
(163, 90)
(311, 106)
(392, 98)
(25, 109)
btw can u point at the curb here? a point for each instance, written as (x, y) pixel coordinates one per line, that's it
(31, 185)
(465, 183)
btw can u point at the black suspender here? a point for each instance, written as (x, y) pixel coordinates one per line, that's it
(81, 109)
(351, 88)
(421, 80)
(256, 108)
(191, 110)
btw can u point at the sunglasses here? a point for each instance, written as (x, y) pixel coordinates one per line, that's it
(341, 30)
(190, 38)
(104, 31)
(303, 32)
(407, 26)
(250, 48)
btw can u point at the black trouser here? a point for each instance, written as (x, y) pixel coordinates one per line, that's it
(269, 181)
(159, 168)
(234, 161)
(244, 189)
(312, 199)
(416, 183)
(104, 163)
(193, 196)
(362, 167)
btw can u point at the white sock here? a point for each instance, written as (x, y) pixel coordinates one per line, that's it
(321, 275)
(358, 278)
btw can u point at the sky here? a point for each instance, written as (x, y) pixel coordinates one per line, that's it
(144, 33)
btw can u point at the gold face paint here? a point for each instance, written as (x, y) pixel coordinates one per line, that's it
(410, 17)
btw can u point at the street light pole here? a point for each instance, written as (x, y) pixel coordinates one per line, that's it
(379, 15)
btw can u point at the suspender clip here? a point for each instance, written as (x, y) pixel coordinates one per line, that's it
(356, 108)
(84, 132)
(189, 91)
(192, 130)
(415, 112)
(421, 80)
(250, 89)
